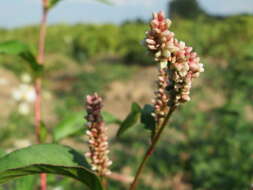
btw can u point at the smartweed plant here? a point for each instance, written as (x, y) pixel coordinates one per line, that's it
(177, 66)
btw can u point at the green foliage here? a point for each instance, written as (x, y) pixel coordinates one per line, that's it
(12, 124)
(146, 117)
(230, 37)
(22, 50)
(68, 126)
(47, 158)
(131, 119)
(188, 9)
(75, 124)
(218, 158)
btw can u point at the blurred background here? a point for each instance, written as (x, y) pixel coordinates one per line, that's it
(97, 47)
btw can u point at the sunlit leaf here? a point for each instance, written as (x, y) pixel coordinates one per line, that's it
(48, 158)
(22, 50)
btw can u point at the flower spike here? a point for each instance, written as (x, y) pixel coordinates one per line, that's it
(176, 59)
(98, 140)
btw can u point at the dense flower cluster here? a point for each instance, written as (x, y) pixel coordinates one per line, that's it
(98, 141)
(179, 61)
(162, 98)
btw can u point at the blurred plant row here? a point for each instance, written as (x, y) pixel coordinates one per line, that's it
(231, 37)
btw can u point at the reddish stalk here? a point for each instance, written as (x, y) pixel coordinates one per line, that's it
(151, 149)
(37, 108)
(37, 84)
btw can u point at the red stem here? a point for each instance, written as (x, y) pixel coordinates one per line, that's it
(151, 148)
(43, 28)
(37, 108)
(43, 181)
(37, 84)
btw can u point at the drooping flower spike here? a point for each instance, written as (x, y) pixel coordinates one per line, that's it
(98, 140)
(179, 65)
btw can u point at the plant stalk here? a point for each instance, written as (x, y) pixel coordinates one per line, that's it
(38, 81)
(151, 148)
(104, 182)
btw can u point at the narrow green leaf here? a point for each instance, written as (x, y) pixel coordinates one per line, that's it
(75, 123)
(48, 158)
(22, 50)
(146, 118)
(131, 119)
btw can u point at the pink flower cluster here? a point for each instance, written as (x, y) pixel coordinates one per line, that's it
(161, 97)
(181, 62)
(98, 140)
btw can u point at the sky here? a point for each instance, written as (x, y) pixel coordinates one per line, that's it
(15, 13)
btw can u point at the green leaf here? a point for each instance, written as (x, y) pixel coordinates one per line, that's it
(146, 118)
(22, 50)
(53, 3)
(131, 119)
(13, 47)
(48, 158)
(75, 123)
